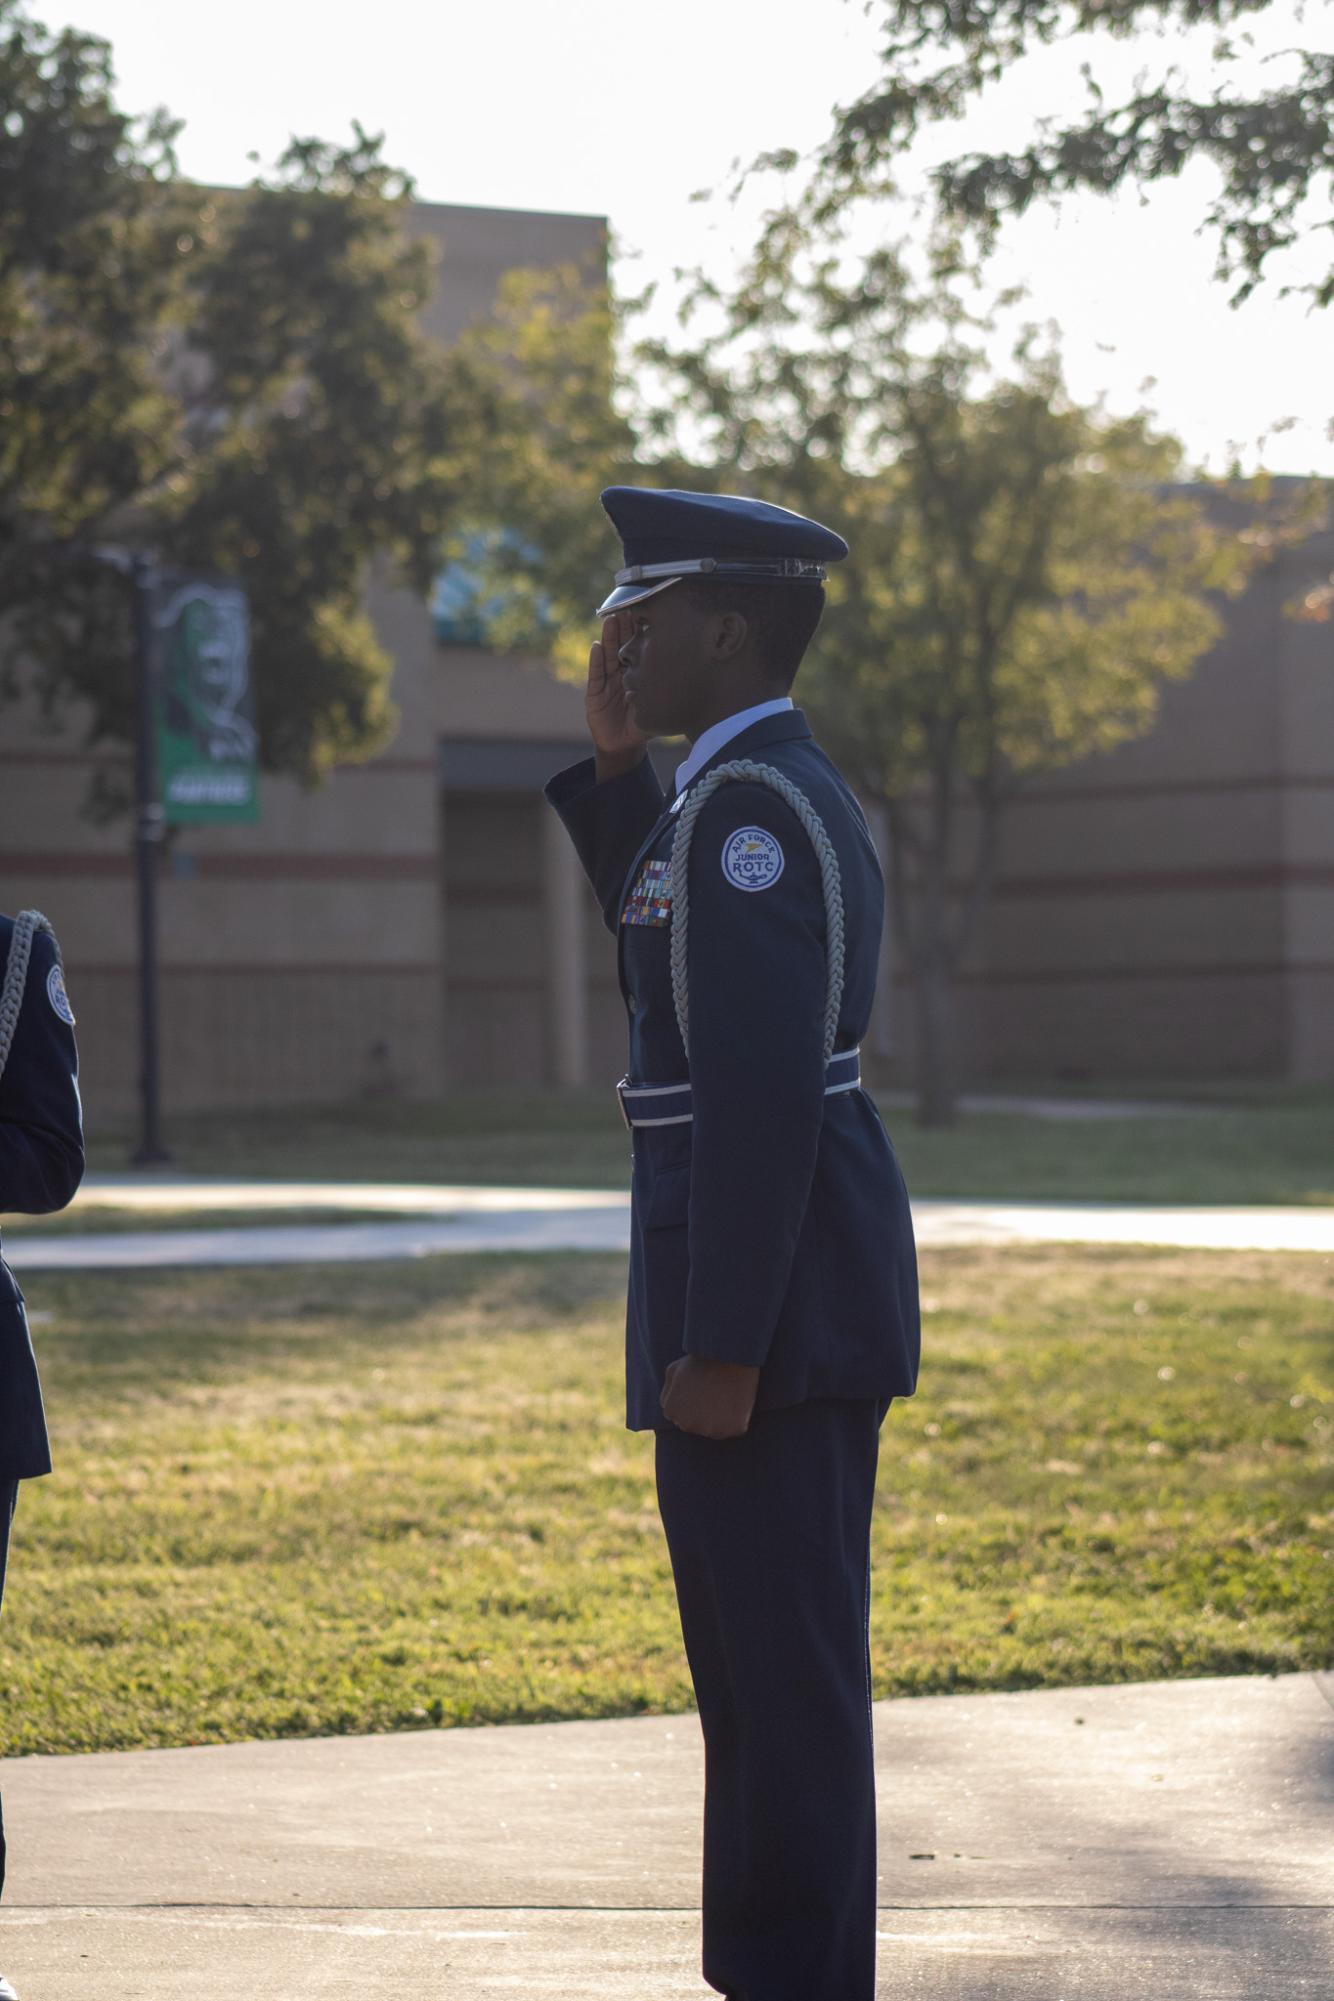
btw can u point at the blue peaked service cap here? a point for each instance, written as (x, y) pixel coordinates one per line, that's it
(668, 534)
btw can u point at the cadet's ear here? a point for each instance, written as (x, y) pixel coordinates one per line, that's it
(730, 630)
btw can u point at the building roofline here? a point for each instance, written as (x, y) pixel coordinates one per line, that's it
(419, 201)
(489, 208)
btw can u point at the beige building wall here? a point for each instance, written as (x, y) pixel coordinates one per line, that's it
(419, 925)
(1168, 909)
(1305, 679)
(299, 958)
(304, 959)
(1164, 911)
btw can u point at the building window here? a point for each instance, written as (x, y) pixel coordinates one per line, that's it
(474, 602)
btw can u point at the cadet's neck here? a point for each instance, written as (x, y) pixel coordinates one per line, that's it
(739, 694)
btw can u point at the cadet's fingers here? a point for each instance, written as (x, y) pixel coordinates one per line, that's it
(597, 666)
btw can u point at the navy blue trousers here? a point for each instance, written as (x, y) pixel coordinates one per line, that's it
(769, 1537)
(9, 1493)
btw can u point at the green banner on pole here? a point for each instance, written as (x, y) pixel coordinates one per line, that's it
(208, 749)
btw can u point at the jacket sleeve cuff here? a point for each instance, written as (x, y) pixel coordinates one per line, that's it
(748, 1352)
(571, 784)
(576, 789)
(607, 822)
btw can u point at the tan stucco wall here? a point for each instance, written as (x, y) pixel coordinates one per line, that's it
(304, 957)
(1306, 726)
(1165, 910)
(1168, 909)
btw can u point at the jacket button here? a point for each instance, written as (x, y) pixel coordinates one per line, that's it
(633, 1004)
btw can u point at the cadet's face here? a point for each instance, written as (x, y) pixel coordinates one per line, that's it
(661, 662)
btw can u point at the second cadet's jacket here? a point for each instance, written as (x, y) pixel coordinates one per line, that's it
(773, 1229)
(41, 1166)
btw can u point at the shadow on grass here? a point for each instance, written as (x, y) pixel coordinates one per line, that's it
(123, 1336)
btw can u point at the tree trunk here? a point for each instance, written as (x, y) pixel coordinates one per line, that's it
(934, 1065)
(934, 931)
(918, 904)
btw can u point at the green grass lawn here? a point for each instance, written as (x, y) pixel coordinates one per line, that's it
(304, 1500)
(563, 1141)
(1275, 1147)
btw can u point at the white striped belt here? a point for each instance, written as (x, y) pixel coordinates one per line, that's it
(669, 1104)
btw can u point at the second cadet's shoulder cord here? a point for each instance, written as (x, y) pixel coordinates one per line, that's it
(26, 925)
(743, 770)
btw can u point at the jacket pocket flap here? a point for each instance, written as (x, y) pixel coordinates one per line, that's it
(668, 1198)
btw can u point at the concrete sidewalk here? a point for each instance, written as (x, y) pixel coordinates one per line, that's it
(424, 1220)
(152, 1189)
(1164, 1840)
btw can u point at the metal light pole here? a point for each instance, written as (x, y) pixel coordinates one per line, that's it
(149, 829)
(226, 605)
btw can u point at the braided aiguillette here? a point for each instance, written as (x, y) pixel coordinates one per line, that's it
(745, 771)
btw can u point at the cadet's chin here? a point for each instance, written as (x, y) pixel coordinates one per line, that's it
(641, 721)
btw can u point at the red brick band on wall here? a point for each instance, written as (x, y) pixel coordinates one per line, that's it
(1085, 976)
(1158, 882)
(1171, 788)
(426, 865)
(237, 867)
(1097, 975)
(229, 969)
(120, 760)
(1037, 795)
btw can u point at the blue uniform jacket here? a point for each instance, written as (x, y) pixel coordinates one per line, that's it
(774, 1229)
(41, 1166)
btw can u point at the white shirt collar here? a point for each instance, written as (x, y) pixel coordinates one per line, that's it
(713, 739)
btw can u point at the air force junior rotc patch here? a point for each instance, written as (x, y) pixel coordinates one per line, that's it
(650, 901)
(59, 999)
(752, 859)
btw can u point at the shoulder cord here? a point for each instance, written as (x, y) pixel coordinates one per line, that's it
(744, 771)
(11, 994)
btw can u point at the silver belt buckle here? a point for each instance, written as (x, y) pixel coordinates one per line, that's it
(620, 1099)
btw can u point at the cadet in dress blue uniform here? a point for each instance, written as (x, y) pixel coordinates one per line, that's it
(41, 1165)
(772, 1312)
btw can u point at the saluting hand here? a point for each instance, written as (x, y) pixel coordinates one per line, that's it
(616, 738)
(710, 1399)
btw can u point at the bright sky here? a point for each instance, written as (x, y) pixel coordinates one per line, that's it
(604, 109)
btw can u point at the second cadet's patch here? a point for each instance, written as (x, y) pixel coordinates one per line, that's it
(59, 999)
(752, 859)
(650, 901)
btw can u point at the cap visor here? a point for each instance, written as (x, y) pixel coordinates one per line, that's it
(626, 594)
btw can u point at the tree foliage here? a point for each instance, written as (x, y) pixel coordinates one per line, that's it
(1273, 148)
(1026, 573)
(568, 415)
(234, 378)
(543, 368)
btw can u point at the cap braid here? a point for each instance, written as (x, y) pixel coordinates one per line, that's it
(26, 924)
(742, 770)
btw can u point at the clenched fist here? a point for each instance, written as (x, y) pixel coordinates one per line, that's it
(711, 1399)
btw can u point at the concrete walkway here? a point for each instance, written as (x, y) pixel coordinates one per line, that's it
(1161, 1841)
(155, 1191)
(432, 1219)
